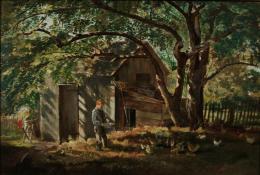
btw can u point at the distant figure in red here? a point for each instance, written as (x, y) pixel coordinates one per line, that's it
(20, 123)
(25, 124)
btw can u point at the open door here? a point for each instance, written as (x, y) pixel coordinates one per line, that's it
(68, 111)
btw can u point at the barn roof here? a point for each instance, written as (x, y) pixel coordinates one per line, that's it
(151, 50)
(109, 64)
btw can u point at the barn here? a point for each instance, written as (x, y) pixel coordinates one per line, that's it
(126, 84)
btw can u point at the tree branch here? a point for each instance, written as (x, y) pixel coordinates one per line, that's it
(211, 20)
(197, 9)
(37, 27)
(152, 23)
(177, 7)
(57, 10)
(91, 34)
(225, 66)
(224, 34)
(55, 38)
(211, 28)
(78, 37)
(27, 17)
(190, 8)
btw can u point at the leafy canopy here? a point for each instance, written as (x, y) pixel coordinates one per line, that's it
(27, 55)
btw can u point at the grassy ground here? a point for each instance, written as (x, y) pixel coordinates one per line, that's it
(125, 156)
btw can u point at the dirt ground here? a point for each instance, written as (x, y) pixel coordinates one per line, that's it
(234, 156)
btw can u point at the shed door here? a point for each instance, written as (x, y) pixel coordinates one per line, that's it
(68, 108)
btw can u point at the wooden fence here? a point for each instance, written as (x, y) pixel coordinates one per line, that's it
(9, 124)
(241, 114)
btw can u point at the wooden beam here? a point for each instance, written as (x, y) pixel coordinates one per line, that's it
(143, 106)
(140, 97)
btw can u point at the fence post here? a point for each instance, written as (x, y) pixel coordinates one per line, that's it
(209, 112)
(231, 115)
(246, 123)
(205, 111)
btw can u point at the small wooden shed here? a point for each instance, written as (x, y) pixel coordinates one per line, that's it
(127, 85)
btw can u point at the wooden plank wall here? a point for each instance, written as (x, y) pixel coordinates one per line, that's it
(134, 66)
(49, 111)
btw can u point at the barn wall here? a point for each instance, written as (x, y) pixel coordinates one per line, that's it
(88, 94)
(92, 90)
(149, 118)
(128, 71)
(49, 121)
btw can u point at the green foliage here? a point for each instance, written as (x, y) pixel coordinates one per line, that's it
(168, 59)
(243, 17)
(27, 58)
(236, 83)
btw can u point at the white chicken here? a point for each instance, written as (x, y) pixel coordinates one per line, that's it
(217, 142)
(250, 139)
(202, 136)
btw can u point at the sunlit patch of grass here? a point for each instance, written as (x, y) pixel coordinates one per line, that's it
(9, 129)
(10, 134)
(17, 143)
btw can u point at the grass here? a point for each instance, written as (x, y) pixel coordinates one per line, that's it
(234, 157)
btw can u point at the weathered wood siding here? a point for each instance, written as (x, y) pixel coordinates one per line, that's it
(93, 89)
(149, 118)
(49, 120)
(135, 66)
(128, 73)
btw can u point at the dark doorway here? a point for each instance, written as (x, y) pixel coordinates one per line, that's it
(120, 118)
(124, 117)
(68, 111)
(131, 116)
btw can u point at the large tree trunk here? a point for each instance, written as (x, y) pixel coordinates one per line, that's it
(181, 58)
(196, 102)
(197, 72)
(196, 88)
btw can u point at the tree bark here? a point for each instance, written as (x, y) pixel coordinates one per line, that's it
(181, 58)
(197, 72)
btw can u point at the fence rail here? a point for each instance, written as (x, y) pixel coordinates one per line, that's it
(9, 125)
(242, 114)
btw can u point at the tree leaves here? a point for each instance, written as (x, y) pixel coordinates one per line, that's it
(27, 58)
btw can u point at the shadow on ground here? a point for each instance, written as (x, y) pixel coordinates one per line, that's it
(234, 157)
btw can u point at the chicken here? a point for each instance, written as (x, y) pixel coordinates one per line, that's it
(217, 142)
(201, 136)
(193, 147)
(250, 139)
(147, 149)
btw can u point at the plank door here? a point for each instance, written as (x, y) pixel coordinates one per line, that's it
(68, 111)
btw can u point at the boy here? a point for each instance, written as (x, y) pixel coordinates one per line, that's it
(99, 119)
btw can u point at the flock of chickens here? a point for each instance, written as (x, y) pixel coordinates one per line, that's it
(186, 142)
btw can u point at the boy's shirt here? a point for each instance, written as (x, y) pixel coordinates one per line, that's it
(98, 117)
